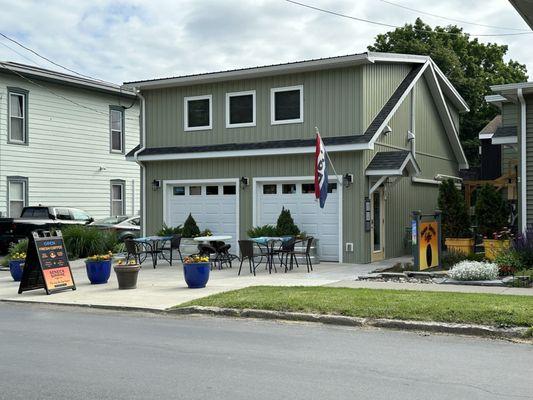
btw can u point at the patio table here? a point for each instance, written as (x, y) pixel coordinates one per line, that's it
(152, 245)
(269, 242)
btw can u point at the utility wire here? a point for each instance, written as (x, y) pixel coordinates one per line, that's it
(451, 19)
(398, 26)
(51, 61)
(19, 53)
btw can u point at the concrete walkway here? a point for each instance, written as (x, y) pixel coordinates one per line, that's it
(164, 287)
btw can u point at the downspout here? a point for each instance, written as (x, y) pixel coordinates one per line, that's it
(141, 165)
(523, 178)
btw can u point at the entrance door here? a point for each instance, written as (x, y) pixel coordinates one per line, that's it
(377, 232)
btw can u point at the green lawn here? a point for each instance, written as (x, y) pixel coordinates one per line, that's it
(488, 309)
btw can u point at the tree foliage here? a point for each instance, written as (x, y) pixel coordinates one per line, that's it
(491, 211)
(471, 66)
(285, 225)
(190, 228)
(455, 217)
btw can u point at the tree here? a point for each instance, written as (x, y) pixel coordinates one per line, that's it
(472, 67)
(491, 211)
(455, 218)
(190, 228)
(286, 225)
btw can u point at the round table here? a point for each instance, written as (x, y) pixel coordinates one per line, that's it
(219, 238)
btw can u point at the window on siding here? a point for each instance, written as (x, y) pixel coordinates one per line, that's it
(17, 195)
(286, 105)
(17, 116)
(240, 109)
(269, 189)
(116, 121)
(117, 198)
(198, 113)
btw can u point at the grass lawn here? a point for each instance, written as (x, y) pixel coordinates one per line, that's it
(488, 309)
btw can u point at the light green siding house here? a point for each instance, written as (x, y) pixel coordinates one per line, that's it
(234, 147)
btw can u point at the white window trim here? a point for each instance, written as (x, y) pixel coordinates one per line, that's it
(24, 182)
(23, 118)
(111, 130)
(244, 124)
(186, 113)
(273, 92)
(122, 199)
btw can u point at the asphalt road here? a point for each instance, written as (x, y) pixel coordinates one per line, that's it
(71, 353)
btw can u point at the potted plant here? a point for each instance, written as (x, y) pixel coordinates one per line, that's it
(127, 273)
(196, 271)
(455, 219)
(98, 268)
(492, 213)
(16, 264)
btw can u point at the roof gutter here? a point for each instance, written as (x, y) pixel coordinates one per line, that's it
(141, 165)
(523, 177)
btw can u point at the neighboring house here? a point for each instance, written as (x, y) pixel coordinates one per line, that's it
(234, 147)
(63, 140)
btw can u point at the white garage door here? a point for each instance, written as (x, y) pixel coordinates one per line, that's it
(299, 198)
(213, 206)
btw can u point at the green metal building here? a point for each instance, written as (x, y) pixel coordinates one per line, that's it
(234, 147)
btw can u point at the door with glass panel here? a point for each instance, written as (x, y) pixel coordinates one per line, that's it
(377, 231)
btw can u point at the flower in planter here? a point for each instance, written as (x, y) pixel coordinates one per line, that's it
(123, 262)
(18, 257)
(504, 234)
(100, 257)
(195, 259)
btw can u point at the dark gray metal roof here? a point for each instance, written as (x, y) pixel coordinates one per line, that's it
(386, 160)
(505, 131)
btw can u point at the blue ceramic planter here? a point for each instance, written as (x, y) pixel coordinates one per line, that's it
(98, 271)
(15, 267)
(196, 274)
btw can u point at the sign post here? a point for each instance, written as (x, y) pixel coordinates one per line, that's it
(426, 239)
(46, 264)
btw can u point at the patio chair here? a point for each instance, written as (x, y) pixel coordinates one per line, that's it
(285, 251)
(207, 250)
(174, 244)
(247, 252)
(223, 256)
(306, 252)
(134, 250)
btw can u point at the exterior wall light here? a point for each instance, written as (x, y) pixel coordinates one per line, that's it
(244, 182)
(348, 180)
(156, 184)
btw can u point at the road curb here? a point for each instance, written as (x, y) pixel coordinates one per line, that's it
(421, 326)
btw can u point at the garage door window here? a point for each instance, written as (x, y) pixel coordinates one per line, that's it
(308, 188)
(269, 189)
(195, 190)
(211, 190)
(332, 188)
(178, 190)
(229, 189)
(288, 188)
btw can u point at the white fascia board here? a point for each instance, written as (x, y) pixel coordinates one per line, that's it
(453, 94)
(384, 172)
(485, 136)
(444, 113)
(396, 58)
(511, 87)
(495, 98)
(251, 153)
(505, 140)
(398, 104)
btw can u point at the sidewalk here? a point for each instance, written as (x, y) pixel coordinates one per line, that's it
(164, 287)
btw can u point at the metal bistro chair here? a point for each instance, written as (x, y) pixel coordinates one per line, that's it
(285, 251)
(174, 244)
(306, 253)
(205, 249)
(223, 256)
(247, 252)
(133, 250)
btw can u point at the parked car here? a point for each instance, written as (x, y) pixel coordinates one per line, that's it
(125, 226)
(38, 217)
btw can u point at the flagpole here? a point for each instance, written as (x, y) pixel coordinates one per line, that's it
(330, 162)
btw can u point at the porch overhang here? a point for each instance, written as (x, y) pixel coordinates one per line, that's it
(391, 164)
(505, 135)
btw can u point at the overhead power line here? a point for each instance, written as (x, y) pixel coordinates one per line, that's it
(51, 61)
(398, 26)
(451, 19)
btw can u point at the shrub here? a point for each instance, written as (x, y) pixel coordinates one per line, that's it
(474, 271)
(508, 262)
(285, 225)
(190, 228)
(84, 241)
(169, 230)
(491, 211)
(523, 246)
(260, 231)
(455, 217)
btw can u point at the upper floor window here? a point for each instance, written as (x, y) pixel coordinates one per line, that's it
(240, 109)
(18, 118)
(116, 128)
(198, 113)
(286, 105)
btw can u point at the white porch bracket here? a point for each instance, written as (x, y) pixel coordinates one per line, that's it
(377, 184)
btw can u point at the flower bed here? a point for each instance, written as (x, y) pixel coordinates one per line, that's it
(474, 271)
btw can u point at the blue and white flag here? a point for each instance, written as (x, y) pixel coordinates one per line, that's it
(321, 171)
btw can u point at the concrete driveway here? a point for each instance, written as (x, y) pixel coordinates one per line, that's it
(165, 287)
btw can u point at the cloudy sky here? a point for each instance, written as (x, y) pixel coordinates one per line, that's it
(131, 40)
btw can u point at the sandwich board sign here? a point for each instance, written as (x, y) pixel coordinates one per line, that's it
(426, 239)
(46, 266)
